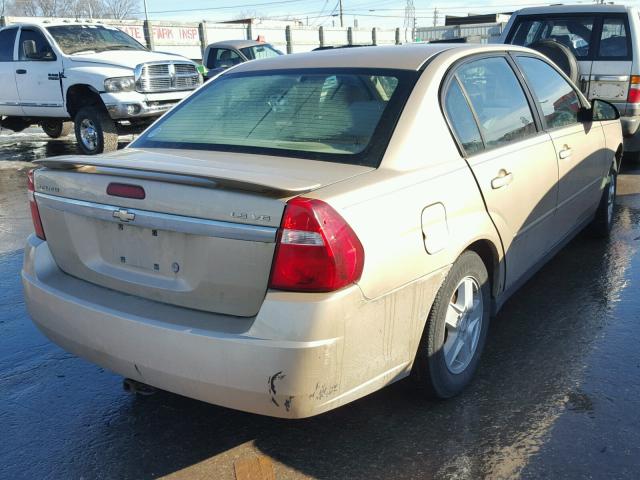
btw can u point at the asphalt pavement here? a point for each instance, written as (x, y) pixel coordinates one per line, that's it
(557, 394)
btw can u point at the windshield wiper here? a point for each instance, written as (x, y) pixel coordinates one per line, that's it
(77, 52)
(120, 47)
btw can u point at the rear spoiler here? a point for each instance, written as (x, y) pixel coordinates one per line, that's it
(200, 177)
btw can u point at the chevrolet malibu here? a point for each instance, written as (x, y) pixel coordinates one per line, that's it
(304, 230)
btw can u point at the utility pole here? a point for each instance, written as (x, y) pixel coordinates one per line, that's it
(435, 16)
(146, 14)
(341, 22)
(410, 21)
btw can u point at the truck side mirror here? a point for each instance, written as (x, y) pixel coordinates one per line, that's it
(29, 49)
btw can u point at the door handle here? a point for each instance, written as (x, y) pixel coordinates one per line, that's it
(21, 71)
(503, 179)
(564, 153)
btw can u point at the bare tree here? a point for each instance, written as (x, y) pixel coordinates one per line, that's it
(90, 9)
(120, 9)
(45, 8)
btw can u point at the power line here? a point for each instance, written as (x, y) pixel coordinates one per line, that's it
(230, 7)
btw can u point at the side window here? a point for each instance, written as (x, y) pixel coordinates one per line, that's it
(461, 119)
(527, 32)
(613, 41)
(7, 41)
(33, 46)
(498, 100)
(226, 58)
(559, 101)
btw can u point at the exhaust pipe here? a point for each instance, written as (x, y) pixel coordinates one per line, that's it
(133, 386)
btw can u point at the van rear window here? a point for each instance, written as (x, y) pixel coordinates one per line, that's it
(574, 32)
(341, 115)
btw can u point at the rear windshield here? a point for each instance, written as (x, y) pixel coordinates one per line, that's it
(574, 32)
(344, 115)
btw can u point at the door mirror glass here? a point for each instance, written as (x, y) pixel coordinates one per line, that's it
(603, 111)
(29, 49)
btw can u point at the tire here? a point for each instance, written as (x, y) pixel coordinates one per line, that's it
(601, 225)
(438, 371)
(561, 55)
(95, 131)
(56, 128)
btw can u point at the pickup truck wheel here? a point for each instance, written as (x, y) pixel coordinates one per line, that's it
(95, 131)
(456, 329)
(603, 221)
(56, 128)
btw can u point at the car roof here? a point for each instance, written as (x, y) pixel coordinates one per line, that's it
(583, 8)
(401, 57)
(235, 44)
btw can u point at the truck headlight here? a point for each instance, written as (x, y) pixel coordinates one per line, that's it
(120, 84)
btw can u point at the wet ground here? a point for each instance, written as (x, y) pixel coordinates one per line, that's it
(557, 394)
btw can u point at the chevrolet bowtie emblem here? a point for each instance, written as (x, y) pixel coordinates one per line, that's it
(124, 215)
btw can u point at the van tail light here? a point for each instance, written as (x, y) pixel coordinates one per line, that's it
(316, 250)
(35, 213)
(634, 89)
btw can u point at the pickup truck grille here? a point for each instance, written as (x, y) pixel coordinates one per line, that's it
(167, 77)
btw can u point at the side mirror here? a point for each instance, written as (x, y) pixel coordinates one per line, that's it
(29, 49)
(600, 111)
(604, 111)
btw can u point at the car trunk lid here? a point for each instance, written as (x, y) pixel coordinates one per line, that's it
(202, 237)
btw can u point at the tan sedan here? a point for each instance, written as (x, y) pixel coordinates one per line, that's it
(307, 229)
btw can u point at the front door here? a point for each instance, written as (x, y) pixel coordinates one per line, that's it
(37, 75)
(516, 168)
(9, 100)
(579, 146)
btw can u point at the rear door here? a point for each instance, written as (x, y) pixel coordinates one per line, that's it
(512, 160)
(579, 146)
(611, 69)
(38, 76)
(9, 100)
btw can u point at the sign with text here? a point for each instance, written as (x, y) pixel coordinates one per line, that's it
(165, 35)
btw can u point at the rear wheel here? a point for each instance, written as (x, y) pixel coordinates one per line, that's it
(56, 128)
(456, 329)
(95, 131)
(603, 221)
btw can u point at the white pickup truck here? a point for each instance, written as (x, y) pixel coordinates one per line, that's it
(90, 77)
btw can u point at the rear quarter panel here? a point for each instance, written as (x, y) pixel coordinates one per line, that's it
(422, 167)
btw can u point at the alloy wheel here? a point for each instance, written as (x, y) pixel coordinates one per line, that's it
(463, 324)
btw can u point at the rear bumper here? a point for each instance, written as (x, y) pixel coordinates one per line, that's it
(293, 360)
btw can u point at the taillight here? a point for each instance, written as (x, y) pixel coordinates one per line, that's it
(316, 251)
(35, 213)
(634, 89)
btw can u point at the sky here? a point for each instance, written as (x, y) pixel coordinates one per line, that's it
(368, 13)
